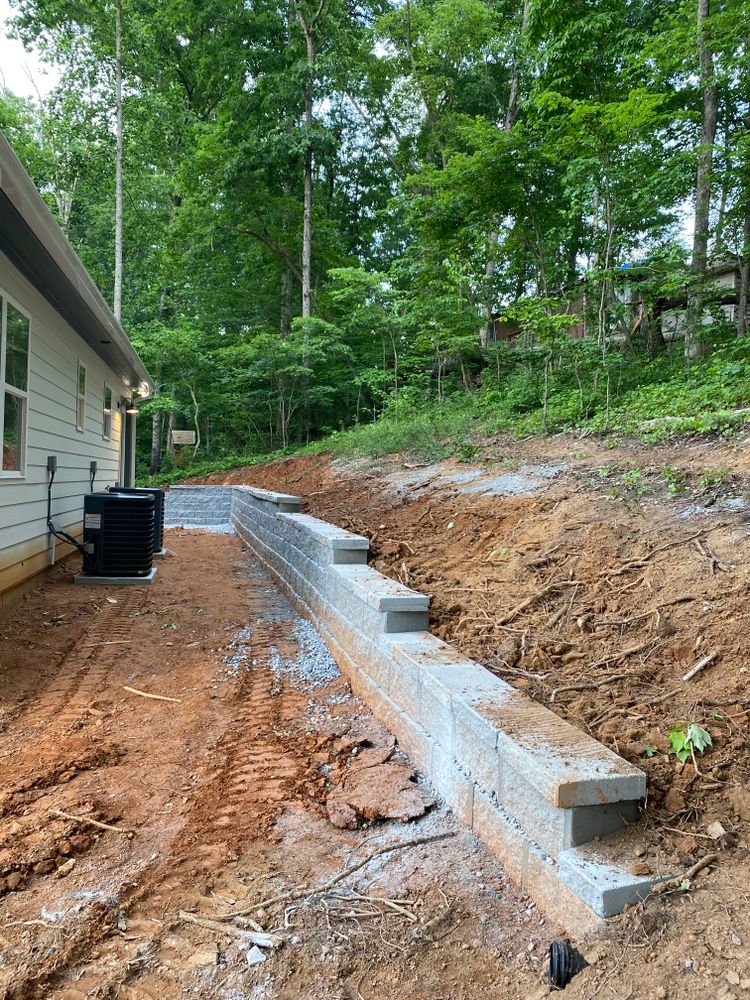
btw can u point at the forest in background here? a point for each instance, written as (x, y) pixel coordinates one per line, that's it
(316, 217)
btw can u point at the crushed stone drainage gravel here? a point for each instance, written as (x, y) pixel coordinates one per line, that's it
(313, 666)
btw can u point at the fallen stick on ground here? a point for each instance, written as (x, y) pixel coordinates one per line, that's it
(391, 904)
(625, 709)
(616, 657)
(92, 822)
(145, 694)
(705, 661)
(108, 642)
(716, 563)
(590, 687)
(30, 923)
(675, 883)
(262, 940)
(544, 558)
(294, 894)
(651, 611)
(636, 563)
(536, 597)
(425, 931)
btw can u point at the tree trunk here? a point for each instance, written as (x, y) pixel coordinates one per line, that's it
(117, 303)
(743, 303)
(196, 408)
(699, 263)
(286, 284)
(170, 428)
(308, 30)
(743, 297)
(157, 421)
(490, 267)
(654, 337)
(285, 306)
(511, 113)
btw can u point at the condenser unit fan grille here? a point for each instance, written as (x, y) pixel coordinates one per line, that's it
(119, 534)
(158, 496)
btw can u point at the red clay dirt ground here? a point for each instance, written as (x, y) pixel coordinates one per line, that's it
(263, 778)
(595, 577)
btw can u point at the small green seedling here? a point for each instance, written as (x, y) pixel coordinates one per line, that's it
(170, 625)
(713, 480)
(675, 480)
(501, 553)
(650, 750)
(466, 451)
(686, 739)
(629, 490)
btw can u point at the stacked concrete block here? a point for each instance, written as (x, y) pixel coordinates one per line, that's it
(538, 791)
(197, 506)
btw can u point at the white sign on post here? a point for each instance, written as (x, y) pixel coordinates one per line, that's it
(183, 437)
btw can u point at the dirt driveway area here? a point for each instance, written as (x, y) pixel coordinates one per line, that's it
(131, 827)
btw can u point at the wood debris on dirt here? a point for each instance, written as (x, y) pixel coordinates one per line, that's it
(294, 894)
(146, 694)
(90, 821)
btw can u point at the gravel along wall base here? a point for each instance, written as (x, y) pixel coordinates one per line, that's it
(550, 802)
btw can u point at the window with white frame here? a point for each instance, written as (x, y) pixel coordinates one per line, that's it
(81, 398)
(107, 414)
(14, 379)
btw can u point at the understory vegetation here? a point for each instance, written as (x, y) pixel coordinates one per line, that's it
(405, 224)
(657, 399)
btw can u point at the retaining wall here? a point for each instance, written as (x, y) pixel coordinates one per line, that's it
(540, 793)
(195, 506)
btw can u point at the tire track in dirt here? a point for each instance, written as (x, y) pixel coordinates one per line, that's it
(81, 673)
(254, 773)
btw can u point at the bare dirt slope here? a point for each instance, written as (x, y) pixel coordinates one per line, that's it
(263, 778)
(595, 577)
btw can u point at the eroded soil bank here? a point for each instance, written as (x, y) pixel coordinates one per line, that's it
(596, 578)
(263, 778)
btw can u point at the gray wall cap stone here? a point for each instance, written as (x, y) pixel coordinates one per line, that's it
(380, 592)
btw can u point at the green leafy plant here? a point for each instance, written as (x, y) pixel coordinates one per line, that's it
(501, 553)
(466, 450)
(687, 738)
(675, 480)
(629, 489)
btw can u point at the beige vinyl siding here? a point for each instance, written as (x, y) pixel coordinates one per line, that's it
(54, 352)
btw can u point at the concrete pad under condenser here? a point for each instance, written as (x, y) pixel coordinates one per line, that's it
(160, 554)
(115, 581)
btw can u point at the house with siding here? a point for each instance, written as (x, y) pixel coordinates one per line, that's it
(69, 379)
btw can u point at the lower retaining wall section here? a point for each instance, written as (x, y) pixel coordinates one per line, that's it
(197, 505)
(539, 792)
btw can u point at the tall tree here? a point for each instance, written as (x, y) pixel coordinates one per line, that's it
(702, 211)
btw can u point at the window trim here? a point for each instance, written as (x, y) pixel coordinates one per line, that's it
(22, 394)
(81, 396)
(111, 414)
